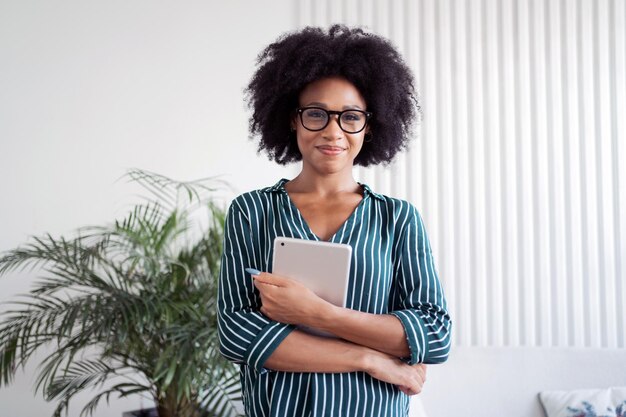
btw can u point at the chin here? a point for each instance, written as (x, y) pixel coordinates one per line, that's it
(332, 168)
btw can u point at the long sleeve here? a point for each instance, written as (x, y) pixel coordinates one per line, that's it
(419, 301)
(246, 335)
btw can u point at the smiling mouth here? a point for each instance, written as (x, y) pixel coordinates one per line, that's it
(330, 150)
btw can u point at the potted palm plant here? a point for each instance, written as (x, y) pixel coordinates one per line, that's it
(127, 308)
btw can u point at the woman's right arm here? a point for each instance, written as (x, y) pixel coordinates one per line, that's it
(246, 335)
(303, 352)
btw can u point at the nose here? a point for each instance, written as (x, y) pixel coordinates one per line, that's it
(332, 129)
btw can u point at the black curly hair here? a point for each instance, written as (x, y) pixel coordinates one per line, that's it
(368, 61)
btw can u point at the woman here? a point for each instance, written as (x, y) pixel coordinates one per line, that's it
(331, 100)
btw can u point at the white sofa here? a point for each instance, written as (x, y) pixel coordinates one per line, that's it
(497, 382)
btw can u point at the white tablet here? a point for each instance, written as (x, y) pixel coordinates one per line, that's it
(323, 267)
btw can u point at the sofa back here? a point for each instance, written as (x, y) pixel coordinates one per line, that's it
(497, 382)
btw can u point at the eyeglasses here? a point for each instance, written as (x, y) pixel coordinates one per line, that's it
(317, 118)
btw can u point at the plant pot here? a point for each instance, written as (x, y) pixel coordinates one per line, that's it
(144, 412)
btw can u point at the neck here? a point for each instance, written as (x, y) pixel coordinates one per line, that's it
(324, 185)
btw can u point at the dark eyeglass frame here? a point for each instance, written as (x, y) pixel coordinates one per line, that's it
(329, 113)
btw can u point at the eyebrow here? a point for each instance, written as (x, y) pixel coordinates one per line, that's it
(324, 106)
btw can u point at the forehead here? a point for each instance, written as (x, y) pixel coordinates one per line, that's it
(332, 92)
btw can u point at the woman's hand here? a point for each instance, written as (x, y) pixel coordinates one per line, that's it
(286, 300)
(408, 378)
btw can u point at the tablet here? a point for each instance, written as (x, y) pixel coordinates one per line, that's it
(323, 267)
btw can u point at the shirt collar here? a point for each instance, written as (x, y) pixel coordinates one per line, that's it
(279, 187)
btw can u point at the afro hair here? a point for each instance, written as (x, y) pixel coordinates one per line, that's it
(370, 62)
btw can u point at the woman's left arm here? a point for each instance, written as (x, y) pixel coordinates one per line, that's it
(417, 328)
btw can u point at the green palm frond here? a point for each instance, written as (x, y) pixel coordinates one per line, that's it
(77, 376)
(132, 296)
(170, 192)
(222, 398)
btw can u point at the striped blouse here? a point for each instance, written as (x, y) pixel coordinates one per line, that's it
(392, 272)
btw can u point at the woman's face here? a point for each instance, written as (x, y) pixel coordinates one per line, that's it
(329, 150)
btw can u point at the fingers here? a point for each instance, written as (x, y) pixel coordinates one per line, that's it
(414, 389)
(264, 285)
(421, 371)
(269, 279)
(418, 382)
(410, 391)
(266, 291)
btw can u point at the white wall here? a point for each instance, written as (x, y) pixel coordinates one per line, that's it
(91, 88)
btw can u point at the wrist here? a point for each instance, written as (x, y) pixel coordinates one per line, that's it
(365, 360)
(326, 316)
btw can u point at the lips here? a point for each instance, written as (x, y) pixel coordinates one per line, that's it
(330, 150)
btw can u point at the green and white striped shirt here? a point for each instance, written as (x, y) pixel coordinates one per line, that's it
(392, 272)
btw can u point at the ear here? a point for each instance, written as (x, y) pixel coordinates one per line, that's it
(293, 123)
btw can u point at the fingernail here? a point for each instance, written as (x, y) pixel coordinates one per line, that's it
(253, 271)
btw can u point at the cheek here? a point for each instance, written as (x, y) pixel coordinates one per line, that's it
(357, 143)
(304, 137)
(301, 142)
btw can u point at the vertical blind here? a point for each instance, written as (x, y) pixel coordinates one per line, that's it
(519, 161)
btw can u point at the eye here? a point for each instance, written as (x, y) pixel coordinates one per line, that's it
(352, 116)
(315, 114)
